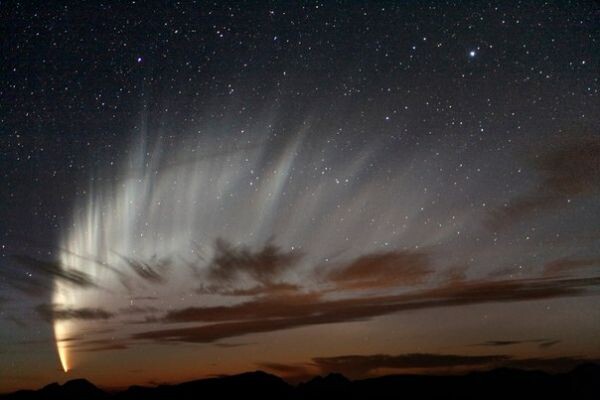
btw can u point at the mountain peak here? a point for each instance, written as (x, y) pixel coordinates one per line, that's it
(79, 383)
(332, 378)
(73, 389)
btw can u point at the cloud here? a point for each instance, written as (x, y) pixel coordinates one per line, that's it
(226, 345)
(35, 277)
(113, 346)
(137, 310)
(361, 365)
(263, 265)
(456, 273)
(261, 289)
(562, 265)
(55, 312)
(500, 343)
(548, 343)
(153, 271)
(273, 313)
(569, 169)
(294, 373)
(285, 369)
(80, 344)
(297, 304)
(389, 269)
(542, 343)
(104, 345)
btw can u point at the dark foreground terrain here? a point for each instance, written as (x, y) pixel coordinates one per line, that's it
(581, 383)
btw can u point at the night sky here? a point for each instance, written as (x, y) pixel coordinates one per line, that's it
(370, 188)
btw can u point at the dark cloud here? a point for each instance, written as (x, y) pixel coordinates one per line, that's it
(262, 265)
(269, 307)
(35, 277)
(378, 270)
(55, 312)
(226, 345)
(274, 313)
(360, 365)
(115, 346)
(153, 271)
(105, 346)
(137, 310)
(548, 343)
(542, 343)
(568, 169)
(500, 343)
(82, 344)
(390, 269)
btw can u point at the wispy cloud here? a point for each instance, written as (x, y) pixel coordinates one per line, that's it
(35, 277)
(262, 265)
(566, 265)
(568, 169)
(275, 313)
(285, 369)
(54, 312)
(153, 271)
(382, 270)
(366, 365)
(361, 365)
(542, 343)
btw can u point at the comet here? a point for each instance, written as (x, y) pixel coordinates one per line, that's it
(166, 208)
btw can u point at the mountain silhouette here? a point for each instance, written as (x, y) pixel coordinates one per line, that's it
(331, 386)
(582, 382)
(77, 389)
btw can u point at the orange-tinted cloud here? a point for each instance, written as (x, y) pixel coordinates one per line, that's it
(542, 343)
(569, 169)
(564, 265)
(390, 269)
(275, 313)
(361, 365)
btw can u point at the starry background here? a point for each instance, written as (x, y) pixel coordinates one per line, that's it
(488, 110)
